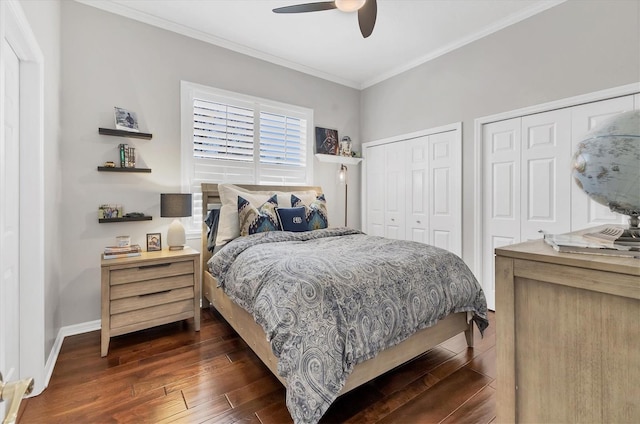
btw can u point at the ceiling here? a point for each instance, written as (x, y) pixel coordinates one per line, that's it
(328, 44)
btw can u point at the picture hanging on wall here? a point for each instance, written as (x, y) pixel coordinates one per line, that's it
(126, 120)
(326, 141)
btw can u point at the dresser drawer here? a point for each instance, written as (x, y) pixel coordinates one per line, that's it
(139, 316)
(150, 286)
(150, 271)
(128, 304)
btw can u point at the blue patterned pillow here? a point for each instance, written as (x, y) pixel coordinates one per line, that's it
(316, 213)
(257, 220)
(292, 219)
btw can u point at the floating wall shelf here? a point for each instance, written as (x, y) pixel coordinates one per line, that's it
(120, 169)
(122, 133)
(125, 219)
(346, 160)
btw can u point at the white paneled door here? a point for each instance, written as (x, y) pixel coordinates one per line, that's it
(413, 187)
(10, 219)
(546, 170)
(394, 205)
(417, 221)
(501, 206)
(375, 178)
(445, 220)
(527, 185)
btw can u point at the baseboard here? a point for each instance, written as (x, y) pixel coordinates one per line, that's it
(70, 330)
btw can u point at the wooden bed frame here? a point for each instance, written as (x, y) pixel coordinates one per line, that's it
(253, 334)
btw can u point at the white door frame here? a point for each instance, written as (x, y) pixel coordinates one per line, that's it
(15, 28)
(623, 90)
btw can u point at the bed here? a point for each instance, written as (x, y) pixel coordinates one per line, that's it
(259, 328)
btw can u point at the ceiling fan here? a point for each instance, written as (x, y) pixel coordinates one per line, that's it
(367, 11)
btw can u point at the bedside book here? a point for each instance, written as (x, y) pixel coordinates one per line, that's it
(113, 252)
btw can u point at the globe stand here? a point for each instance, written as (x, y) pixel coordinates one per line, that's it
(630, 235)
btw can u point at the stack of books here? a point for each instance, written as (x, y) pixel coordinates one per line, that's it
(127, 156)
(114, 252)
(609, 240)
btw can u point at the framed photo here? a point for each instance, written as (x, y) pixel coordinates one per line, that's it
(154, 242)
(126, 120)
(327, 141)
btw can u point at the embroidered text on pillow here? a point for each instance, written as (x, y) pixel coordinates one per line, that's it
(292, 219)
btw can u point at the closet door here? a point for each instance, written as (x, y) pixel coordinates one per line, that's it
(546, 174)
(585, 212)
(394, 199)
(417, 221)
(445, 191)
(376, 179)
(501, 195)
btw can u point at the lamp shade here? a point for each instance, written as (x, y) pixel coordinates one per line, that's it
(175, 205)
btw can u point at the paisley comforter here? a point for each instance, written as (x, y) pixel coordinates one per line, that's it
(329, 299)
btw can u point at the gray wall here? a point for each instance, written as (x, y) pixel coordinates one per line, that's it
(44, 19)
(574, 48)
(109, 60)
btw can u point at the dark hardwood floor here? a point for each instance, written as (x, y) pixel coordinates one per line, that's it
(172, 374)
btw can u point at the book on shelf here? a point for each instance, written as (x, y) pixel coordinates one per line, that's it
(580, 243)
(127, 156)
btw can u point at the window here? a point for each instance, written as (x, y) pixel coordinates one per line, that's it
(234, 138)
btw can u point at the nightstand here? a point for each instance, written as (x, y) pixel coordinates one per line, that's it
(152, 289)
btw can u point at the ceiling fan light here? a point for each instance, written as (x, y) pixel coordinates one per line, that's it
(349, 5)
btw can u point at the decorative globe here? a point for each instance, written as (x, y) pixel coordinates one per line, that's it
(606, 165)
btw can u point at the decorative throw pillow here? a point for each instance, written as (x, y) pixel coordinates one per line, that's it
(315, 213)
(292, 219)
(257, 220)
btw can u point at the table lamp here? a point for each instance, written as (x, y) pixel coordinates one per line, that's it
(175, 205)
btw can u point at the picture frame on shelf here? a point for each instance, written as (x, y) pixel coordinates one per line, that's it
(107, 211)
(154, 242)
(327, 141)
(125, 119)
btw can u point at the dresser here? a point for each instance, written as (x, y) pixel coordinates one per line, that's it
(152, 289)
(567, 336)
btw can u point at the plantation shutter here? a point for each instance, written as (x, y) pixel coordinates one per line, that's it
(233, 138)
(283, 149)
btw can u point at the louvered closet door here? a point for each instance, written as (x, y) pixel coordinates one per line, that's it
(417, 189)
(394, 199)
(445, 190)
(375, 175)
(586, 212)
(546, 174)
(501, 195)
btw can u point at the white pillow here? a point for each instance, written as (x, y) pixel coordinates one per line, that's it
(228, 222)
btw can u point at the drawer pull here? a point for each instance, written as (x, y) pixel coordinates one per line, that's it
(151, 294)
(154, 266)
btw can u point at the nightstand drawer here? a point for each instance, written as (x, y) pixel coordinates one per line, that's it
(151, 286)
(152, 299)
(150, 271)
(152, 313)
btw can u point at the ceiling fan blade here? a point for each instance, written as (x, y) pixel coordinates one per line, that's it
(307, 7)
(367, 17)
